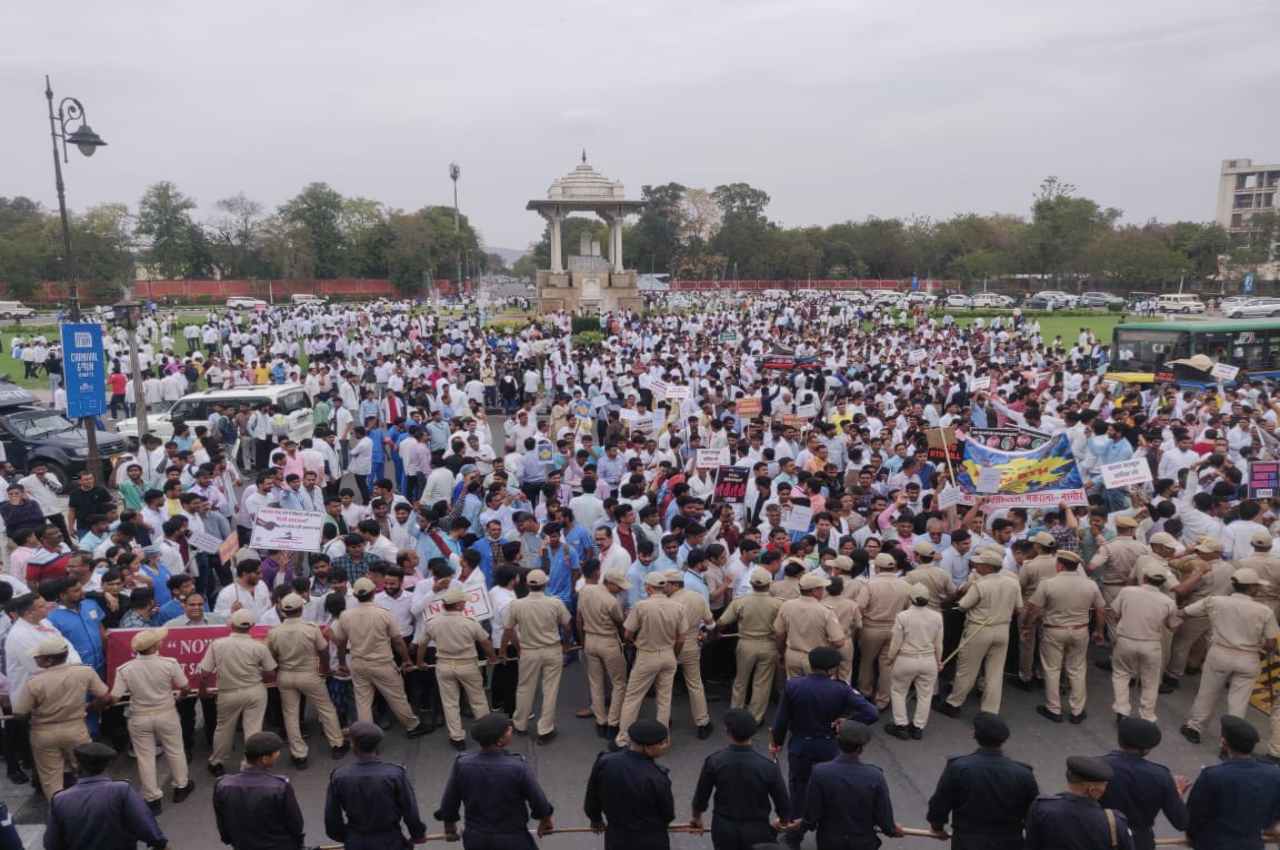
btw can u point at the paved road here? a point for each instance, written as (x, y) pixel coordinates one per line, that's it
(912, 768)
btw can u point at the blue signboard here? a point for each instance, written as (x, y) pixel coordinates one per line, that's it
(1248, 284)
(915, 284)
(84, 370)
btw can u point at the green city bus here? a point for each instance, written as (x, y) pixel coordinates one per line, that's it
(1141, 351)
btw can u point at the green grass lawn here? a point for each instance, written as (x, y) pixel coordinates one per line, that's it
(1068, 327)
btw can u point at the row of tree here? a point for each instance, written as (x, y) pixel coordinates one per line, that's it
(316, 234)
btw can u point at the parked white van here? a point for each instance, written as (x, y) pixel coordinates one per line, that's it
(15, 310)
(306, 298)
(194, 409)
(1179, 304)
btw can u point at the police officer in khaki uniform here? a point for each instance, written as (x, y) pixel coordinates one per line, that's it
(887, 597)
(788, 587)
(805, 624)
(689, 659)
(1266, 565)
(936, 581)
(1145, 616)
(1243, 630)
(295, 645)
(368, 635)
(150, 680)
(600, 624)
(990, 604)
(656, 624)
(1117, 559)
(1064, 602)
(849, 616)
(915, 659)
(757, 653)
(534, 626)
(56, 699)
(1200, 575)
(239, 661)
(456, 637)
(1043, 565)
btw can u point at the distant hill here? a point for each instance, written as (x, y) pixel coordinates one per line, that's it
(509, 255)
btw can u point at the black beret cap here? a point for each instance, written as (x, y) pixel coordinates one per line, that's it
(488, 730)
(647, 732)
(94, 751)
(853, 732)
(1240, 735)
(262, 744)
(365, 735)
(824, 658)
(989, 727)
(740, 723)
(1088, 769)
(1138, 733)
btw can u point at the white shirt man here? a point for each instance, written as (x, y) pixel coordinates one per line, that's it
(257, 601)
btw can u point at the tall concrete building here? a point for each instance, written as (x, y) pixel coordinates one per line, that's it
(1244, 189)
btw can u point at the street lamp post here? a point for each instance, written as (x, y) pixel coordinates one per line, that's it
(128, 313)
(68, 124)
(455, 171)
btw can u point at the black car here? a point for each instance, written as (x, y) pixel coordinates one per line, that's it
(34, 434)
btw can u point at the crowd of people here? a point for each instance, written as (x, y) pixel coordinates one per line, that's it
(739, 492)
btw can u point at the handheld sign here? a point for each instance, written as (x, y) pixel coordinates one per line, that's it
(1125, 473)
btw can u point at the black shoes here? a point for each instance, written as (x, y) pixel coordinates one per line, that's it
(459, 744)
(156, 806)
(899, 732)
(1190, 734)
(216, 769)
(602, 730)
(704, 731)
(180, 794)
(300, 763)
(18, 776)
(944, 707)
(1077, 719)
(1043, 711)
(421, 729)
(547, 738)
(915, 732)
(340, 751)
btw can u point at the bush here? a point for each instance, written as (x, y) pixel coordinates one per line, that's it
(584, 324)
(587, 338)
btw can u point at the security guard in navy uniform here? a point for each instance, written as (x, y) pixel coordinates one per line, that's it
(368, 799)
(848, 800)
(95, 812)
(1231, 803)
(1075, 820)
(1140, 788)
(499, 791)
(808, 710)
(745, 781)
(629, 794)
(256, 809)
(985, 794)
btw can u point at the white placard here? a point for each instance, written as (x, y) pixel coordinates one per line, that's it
(918, 356)
(679, 392)
(799, 518)
(477, 607)
(950, 495)
(295, 531)
(204, 541)
(1224, 371)
(659, 389)
(980, 384)
(1125, 473)
(712, 458)
(989, 479)
(642, 424)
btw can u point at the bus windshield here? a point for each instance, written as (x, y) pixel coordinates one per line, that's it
(1147, 350)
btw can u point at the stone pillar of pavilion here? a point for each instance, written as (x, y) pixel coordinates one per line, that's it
(588, 282)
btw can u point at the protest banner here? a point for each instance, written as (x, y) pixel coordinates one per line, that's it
(919, 355)
(642, 424)
(977, 385)
(204, 541)
(658, 389)
(731, 484)
(1125, 473)
(1264, 479)
(1224, 372)
(790, 420)
(295, 531)
(942, 445)
(185, 644)
(749, 406)
(477, 607)
(1008, 439)
(679, 392)
(1038, 478)
(711, 458)
(797, 518)
(227, 548)
(989, 479)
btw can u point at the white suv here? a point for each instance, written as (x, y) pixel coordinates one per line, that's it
(244, 302)
(194, 409)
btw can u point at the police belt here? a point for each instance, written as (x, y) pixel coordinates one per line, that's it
(1068, 628)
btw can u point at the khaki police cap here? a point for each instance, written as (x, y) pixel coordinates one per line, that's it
(919, 593)
(1042, 538)
(655, 579)
(673, 577)
(1208, 546)
(50, 646)
(1248, 575)
(885, 561)
(454, 595)
(1261, 537)
(812, 581)
(293, 602)
(1164, 538)
(760, 577)
(618, 578)
(241, 618)
(988, 557)
(148, 639)
(536, 578)
(924, 548)
(363, 585)
(1126, 522)
(1068, 556)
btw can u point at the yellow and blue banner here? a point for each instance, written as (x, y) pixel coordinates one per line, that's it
(1040, 478)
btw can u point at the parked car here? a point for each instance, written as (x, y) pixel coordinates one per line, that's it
(992, 299)
(959, 300)
(921, 298)
(1101, 299)
(244, 302)
(1252, 308)
(1057, 298)
(306, 298)
(15, 310)
(32, 433)
(195, 408)
(1179, 304)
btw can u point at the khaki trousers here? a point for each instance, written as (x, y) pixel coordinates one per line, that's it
(251, 703)
(1143, 659)
(545, 665)
(1233, 670)
(1191, 630)
(985, 651)
(920, 671)
(796, 663)
(873, 643)
(450, 676)
(53, 751)
(294, 686)
(651, 668)
(1109, 594)
(845, 671)
(384, 678)
(605, 659)
(148, 730)
(690, 663)
(1064, 648)
(757, 660)
(1027, 652)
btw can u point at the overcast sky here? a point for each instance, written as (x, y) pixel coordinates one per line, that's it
(839, 109)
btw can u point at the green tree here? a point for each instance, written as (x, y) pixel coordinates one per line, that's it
(1134, 257)
(318, 211)
(653, 242)
(527, 266)
(164, 225)
(235, 238)
(23, 254)
(744, 231)
(101, 241)
(1062, 227)
(367, 237)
